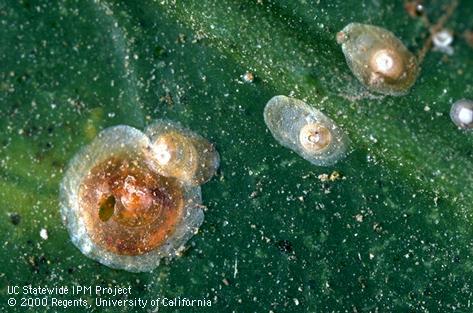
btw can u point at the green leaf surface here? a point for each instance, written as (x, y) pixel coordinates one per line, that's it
(392, 235)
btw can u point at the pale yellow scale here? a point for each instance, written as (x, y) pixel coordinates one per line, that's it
(176, 151)
(378, 59)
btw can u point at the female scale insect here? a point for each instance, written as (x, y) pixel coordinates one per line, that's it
(121, 212)
(305, 130)
(378, 59)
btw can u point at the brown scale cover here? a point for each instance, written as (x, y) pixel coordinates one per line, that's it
(127, 209)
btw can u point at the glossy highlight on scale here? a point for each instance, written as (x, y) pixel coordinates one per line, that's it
(461, 114)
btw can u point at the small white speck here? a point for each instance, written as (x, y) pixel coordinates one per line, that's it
(235, 268)
(443, 38)
(442, 41)
(43, 233)
(248, 77)
(359, 218)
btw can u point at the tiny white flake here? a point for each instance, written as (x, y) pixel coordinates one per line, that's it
(235, 272)
(43, 233)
